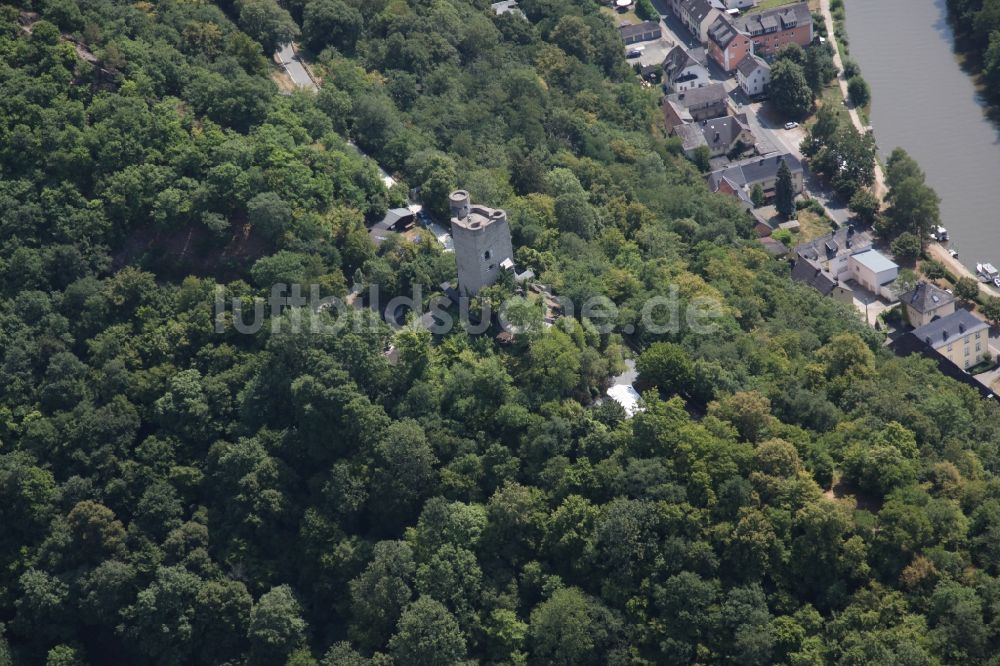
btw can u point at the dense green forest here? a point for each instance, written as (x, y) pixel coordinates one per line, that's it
(977, 35)
(174, 495)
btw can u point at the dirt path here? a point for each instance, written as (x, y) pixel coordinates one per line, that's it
(824, 5)
(937, 252)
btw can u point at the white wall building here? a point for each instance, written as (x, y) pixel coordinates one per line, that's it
(753, 75)
(872, 270)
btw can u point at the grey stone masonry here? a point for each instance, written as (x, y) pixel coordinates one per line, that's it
(482, 242)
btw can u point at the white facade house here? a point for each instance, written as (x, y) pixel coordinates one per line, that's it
(872, 270)
(753, 75)
(682, 71)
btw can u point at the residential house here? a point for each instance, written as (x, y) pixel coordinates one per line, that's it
(727, 46)
(753, 75)
(711, 101)
(721, 136)
(925, 303)
(832, 253)
(647, 31)
(773, 28)
(395, 221)
(681, 71)
(873, 271)
(740, 178)
(811, 273)
(960, 337)
(698, 15)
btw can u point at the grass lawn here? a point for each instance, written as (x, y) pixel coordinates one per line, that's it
(831, 95)
(618, 16)
(813, 226)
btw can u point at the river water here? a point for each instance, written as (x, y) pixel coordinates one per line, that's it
(924, 102)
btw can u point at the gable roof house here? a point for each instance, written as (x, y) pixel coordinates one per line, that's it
(697, 104)
(640, 32)
(682, 71)
(773, 28)
(961, 337)
(832, 251)
(727, 46)
(823, 263)
(698, 15)
(812, 274)
(753, 75)
(395, 220)
(740, 178)
(925, 303)
(720, 135)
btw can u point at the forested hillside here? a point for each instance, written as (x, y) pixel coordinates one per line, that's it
(174, 495)
(977, 32)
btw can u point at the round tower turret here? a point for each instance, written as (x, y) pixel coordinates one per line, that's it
(459, 203)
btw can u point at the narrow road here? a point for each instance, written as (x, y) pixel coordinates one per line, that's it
(938, 252)
(289, 59)
(880, 189)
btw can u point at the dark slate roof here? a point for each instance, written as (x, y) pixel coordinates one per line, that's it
(634, 30)
(677, 60)
(699, 9)
(697, 97)
(947, 329)
(750, 63)
(809, 273)
(723, 130)
(842, 241)
(393, 217)
(926, 297)
(764, 168)
(779, 17)
(722, 32)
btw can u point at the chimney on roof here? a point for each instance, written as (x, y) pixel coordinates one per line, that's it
(717, 135)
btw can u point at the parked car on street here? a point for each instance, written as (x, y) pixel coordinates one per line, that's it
(791, 125)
